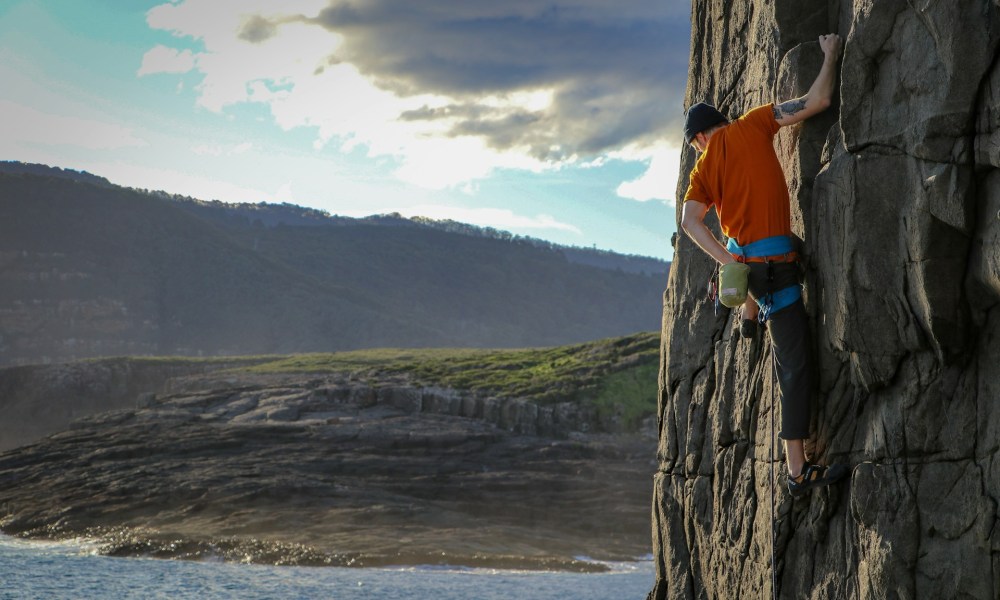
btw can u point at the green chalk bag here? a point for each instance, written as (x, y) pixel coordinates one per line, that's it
(733, 283)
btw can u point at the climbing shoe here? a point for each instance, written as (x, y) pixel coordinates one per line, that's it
(815, 476)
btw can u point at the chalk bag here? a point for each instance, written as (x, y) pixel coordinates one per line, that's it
(733, 282)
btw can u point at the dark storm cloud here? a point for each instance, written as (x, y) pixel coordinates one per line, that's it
(617, 68)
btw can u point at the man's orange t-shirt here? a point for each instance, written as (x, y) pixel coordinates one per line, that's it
(740, 175)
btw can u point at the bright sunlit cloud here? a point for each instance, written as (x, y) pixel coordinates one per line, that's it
(659, 181)
(166, 60)
(434, 93)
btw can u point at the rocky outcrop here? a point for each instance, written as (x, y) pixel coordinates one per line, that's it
(895, 191)
(525, 458)
(316, 471)
(560, 420)
(39, 400)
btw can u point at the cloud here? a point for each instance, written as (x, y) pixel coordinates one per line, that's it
(615, 72)
(166, 60)
(520, 84)
(659, 181)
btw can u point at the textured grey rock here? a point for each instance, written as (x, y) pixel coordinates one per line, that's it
(42, 399)
(895, 192)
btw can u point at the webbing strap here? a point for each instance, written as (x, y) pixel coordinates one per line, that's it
(775, 301)
(772, 246)
(774, 442)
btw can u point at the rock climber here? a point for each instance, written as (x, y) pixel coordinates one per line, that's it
(738, 173)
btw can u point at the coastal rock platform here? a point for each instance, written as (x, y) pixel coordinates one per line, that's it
(305, 470)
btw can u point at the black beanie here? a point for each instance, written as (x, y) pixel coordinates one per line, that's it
(700, 117)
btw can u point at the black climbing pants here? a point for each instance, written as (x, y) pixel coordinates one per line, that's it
(789, 331)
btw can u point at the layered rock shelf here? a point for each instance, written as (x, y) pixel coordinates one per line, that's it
(514, 415)
(328, 471)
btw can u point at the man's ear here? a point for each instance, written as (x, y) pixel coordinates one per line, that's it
(700, 140)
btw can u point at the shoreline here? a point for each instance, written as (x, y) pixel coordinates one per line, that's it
(283, 475)
(227, 552)
(326, 470)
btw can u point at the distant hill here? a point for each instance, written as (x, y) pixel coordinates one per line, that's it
(19, 168)
(91, 269)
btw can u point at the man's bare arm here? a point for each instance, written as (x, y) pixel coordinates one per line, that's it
(818, 98)
(693, 222)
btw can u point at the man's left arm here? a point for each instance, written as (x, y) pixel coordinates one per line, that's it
(818, 98)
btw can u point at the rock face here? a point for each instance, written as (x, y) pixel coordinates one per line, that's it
(896, 192)
(314, 470)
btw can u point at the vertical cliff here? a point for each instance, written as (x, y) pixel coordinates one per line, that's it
(896, 192)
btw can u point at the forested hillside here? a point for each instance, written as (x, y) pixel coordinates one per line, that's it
(91, 269)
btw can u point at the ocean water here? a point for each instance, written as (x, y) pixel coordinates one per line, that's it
(74, 570)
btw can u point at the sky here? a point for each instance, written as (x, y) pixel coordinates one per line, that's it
(559, 120)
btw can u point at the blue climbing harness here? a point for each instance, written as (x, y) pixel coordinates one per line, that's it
(772, 302)
(772, 246)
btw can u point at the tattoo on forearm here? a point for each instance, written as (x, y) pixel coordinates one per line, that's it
(789, 108)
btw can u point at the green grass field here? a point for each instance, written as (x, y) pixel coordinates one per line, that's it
(616, 376)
